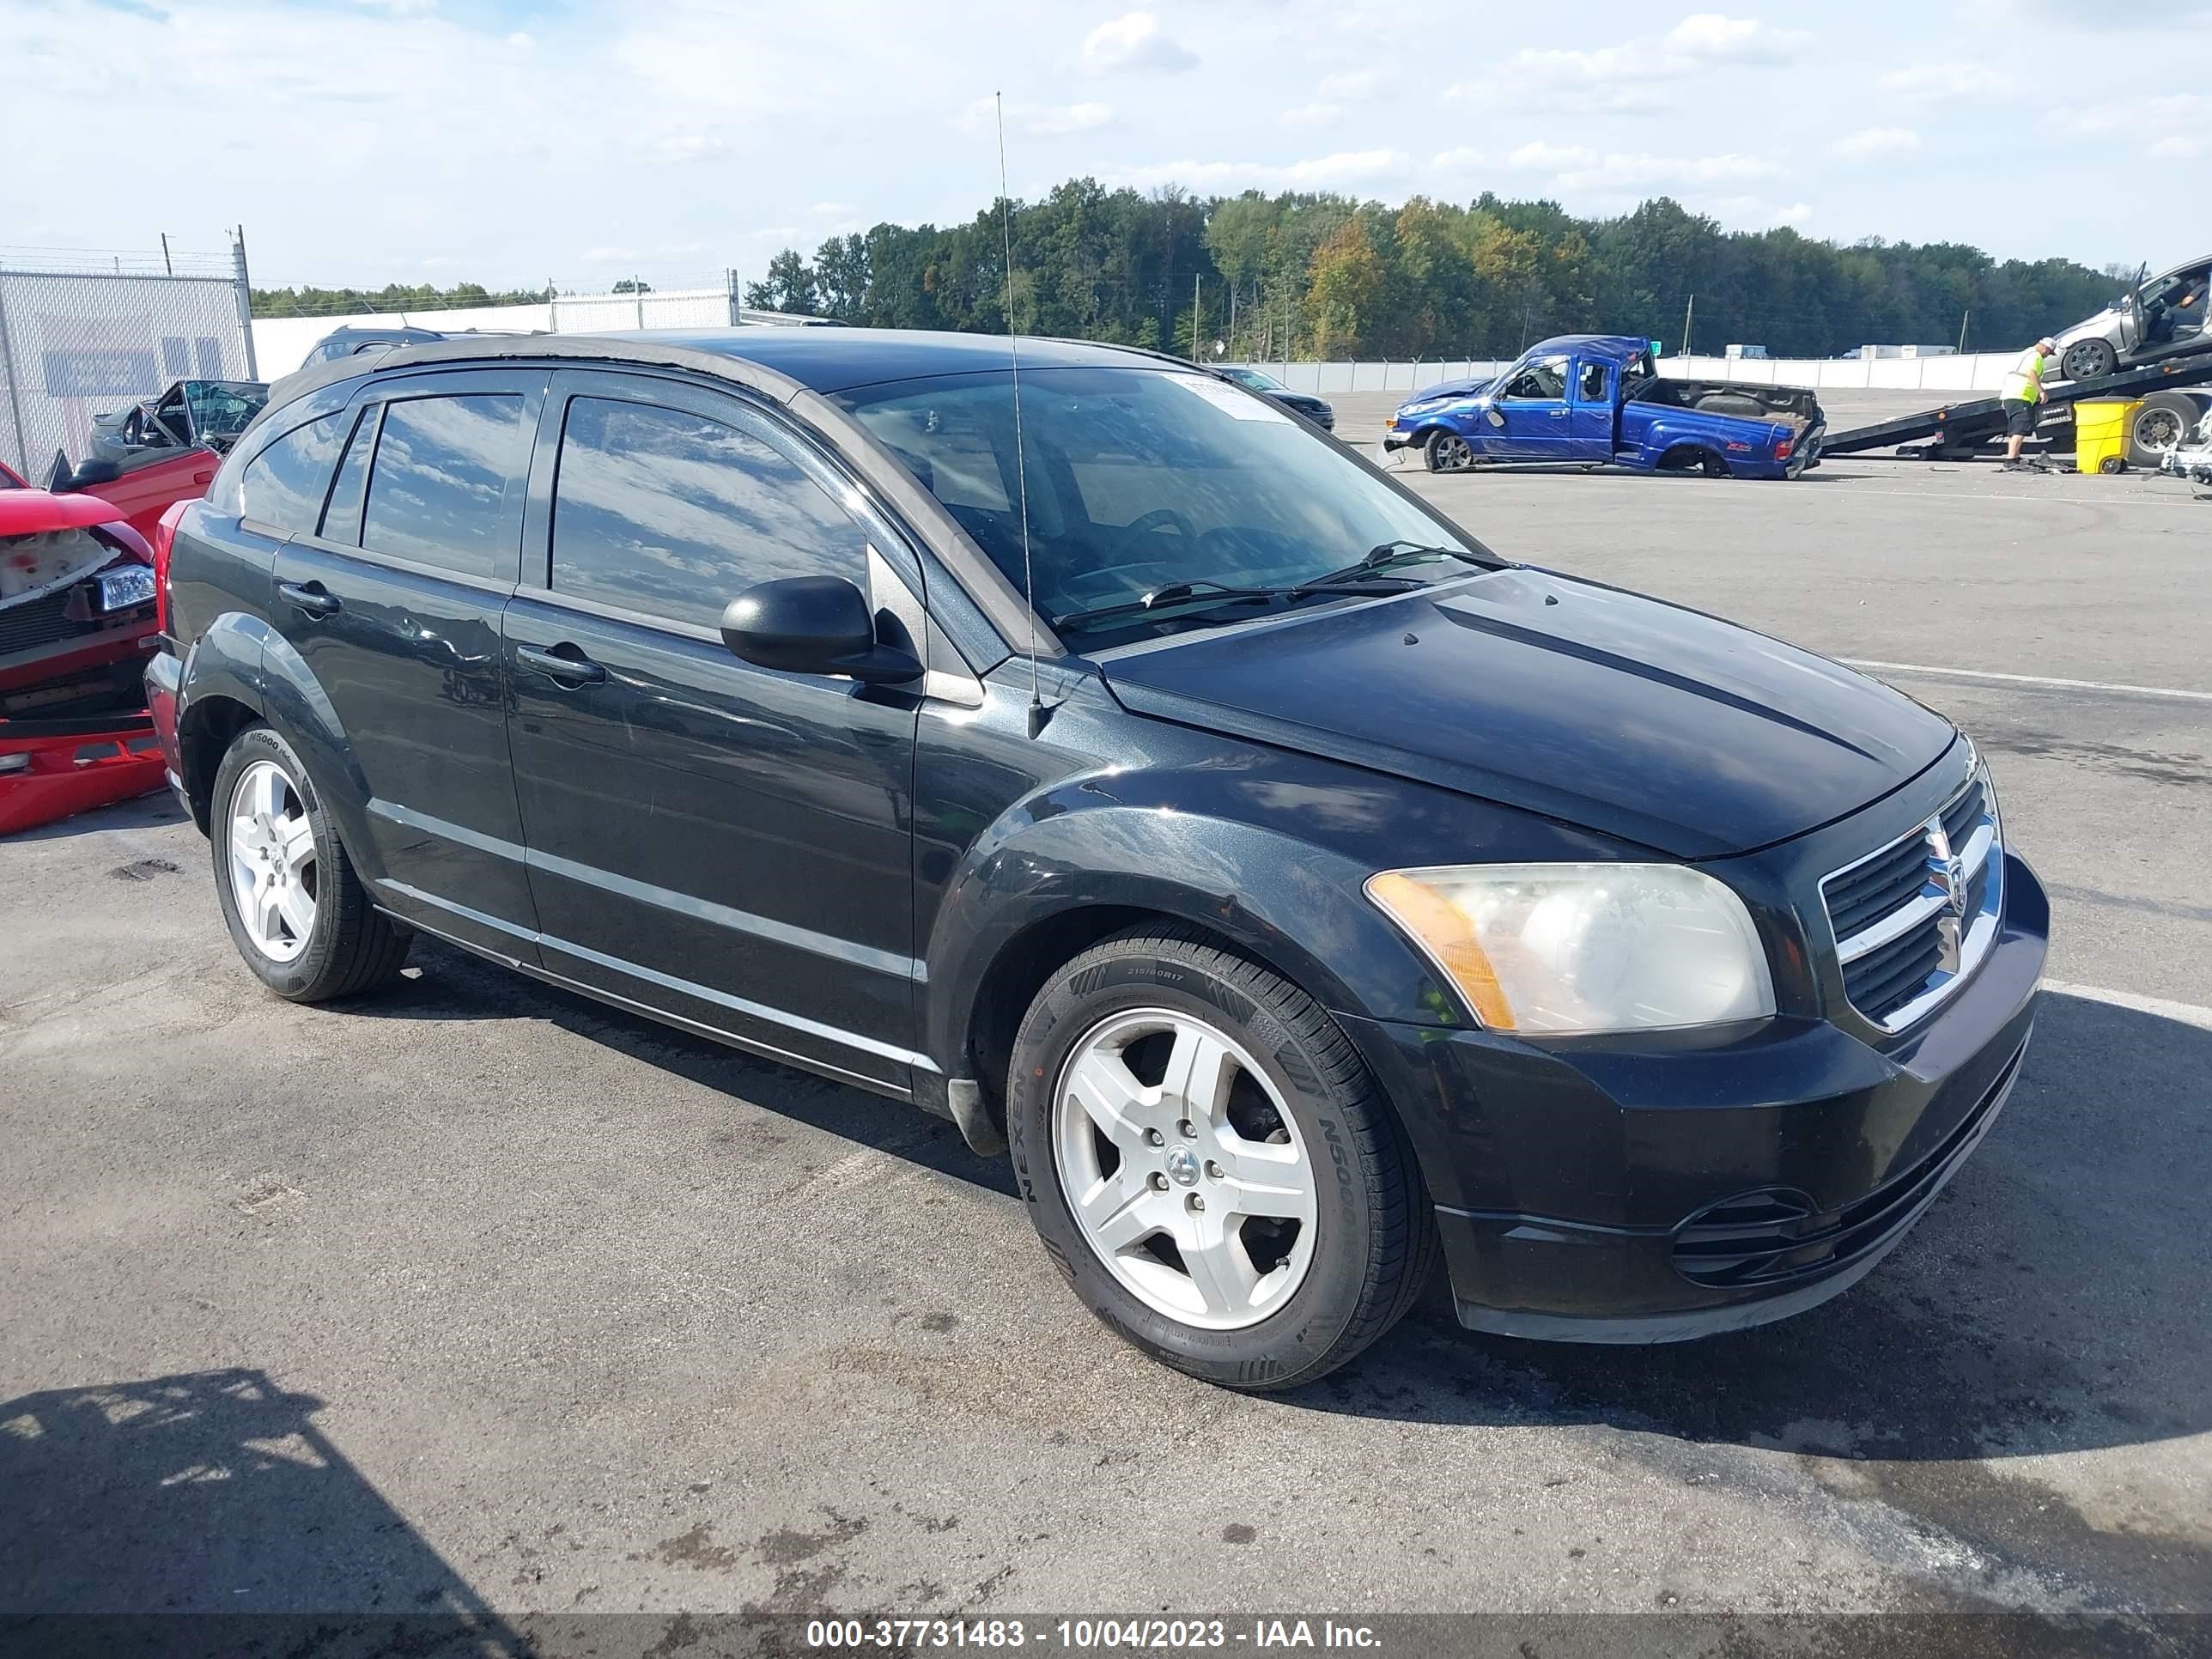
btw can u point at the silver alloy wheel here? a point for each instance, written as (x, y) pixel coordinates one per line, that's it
(2085, 359)
(1448, 453)
(1184, 1170)
(2158, 430)
(272, 861)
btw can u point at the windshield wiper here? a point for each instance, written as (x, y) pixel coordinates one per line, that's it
(1215, 594)
(1387, 555)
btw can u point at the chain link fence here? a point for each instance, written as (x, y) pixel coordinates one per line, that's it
(78, 340)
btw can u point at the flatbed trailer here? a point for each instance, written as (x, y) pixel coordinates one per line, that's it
(1960, 429)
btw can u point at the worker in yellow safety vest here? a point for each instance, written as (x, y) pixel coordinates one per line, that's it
(2022, 396)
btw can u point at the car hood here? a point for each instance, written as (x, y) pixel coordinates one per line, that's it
(1605, 709)
(1451, 389)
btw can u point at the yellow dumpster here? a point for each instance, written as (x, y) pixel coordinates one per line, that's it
(2101, 432)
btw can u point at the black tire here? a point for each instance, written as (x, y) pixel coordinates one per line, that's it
(352, 947)
(2085, 359)
(2163, 423)
(1716, 467)
(1375, 1243)
(1447, 452)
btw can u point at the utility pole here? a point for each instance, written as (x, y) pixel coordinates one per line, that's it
(166, 265)
(1197, 351)
(1232, 317)
(1963, 316)
(1688, 311)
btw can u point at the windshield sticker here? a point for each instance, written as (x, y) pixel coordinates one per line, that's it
(1245, 405)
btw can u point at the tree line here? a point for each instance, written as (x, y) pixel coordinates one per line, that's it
(1305, 275)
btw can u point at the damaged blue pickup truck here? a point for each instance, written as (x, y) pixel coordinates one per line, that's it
(1598, 399)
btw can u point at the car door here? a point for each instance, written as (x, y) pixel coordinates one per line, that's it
(1589, 420)
(393, 599)
(1533, 406)
(721, 841)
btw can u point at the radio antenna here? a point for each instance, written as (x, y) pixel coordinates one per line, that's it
(1021, 463)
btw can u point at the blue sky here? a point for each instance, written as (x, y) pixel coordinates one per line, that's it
(364, 140)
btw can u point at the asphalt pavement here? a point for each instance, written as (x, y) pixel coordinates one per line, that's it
(480, 1297)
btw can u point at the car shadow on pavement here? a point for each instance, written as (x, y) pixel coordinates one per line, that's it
(445, 983)
(148, 812)
(2057, 1298)
(212, 1502)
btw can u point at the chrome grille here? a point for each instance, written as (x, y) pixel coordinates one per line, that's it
(1911, 920)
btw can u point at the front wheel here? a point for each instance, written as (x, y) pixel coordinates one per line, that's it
(1210, 1165)
(2085, 359)
(1447, 452)
(296, 909)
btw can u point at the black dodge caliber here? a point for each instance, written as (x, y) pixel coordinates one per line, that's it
(1097, 756)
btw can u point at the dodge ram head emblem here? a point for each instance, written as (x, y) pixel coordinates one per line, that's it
(1948, 872)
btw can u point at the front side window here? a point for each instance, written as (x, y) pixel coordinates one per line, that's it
(1137, 478)
(1543, 379)
(438, 490)
(283, 486)
(672, 514)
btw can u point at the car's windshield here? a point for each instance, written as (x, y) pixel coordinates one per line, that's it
(222, 409)
(1255, 379)
(1139, 478)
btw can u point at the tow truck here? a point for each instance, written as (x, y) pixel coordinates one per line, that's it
(1959, 431)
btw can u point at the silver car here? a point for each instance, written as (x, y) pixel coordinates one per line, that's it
(2165, 311)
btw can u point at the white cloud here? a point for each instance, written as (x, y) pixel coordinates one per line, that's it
(2146, 116)
(1929, 83)
(1579, 169)
(1037, 120)
(609, 256)
(1312, 115)
(1635, 75)
(1795, 213)
(1351, 85)
(1319, 172)
(1133, 42)
(1868, 143)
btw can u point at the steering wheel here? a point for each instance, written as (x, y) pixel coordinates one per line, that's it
(1149, 524)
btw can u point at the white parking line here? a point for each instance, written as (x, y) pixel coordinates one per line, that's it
(2028, 679)
(2186, 1013)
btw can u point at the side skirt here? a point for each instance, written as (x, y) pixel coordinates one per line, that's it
(696, 1028)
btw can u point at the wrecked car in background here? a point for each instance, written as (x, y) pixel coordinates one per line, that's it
(165, 450)
(1598, 399)
(2151, 319)
(76, 604)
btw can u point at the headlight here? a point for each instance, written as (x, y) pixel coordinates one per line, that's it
(1585, 947)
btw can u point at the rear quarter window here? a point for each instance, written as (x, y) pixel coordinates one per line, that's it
(283, 486)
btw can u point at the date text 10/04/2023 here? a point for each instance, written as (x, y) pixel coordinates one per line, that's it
(1262, 1635)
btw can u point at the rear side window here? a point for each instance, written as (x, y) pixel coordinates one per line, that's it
(283, 486)
(438, 491)
(1593, 384)
(341, 518)
(674, 515)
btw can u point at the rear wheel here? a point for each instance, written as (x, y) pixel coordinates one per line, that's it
(2085, 359)
(297, 910)
(1210, 1165)
(2160, 425)
(1447, 452)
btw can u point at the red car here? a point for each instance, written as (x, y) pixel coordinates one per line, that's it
(76, 604)
(166, 449)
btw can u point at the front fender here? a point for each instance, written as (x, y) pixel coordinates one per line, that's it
(1280, 898)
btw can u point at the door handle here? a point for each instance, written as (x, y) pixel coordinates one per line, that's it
(1559, 414)
(310, 596)
(564, 663)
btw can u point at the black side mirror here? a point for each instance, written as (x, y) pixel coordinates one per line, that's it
(813, 625)
(92, 472)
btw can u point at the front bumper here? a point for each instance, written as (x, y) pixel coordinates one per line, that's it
(1668, 1187)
